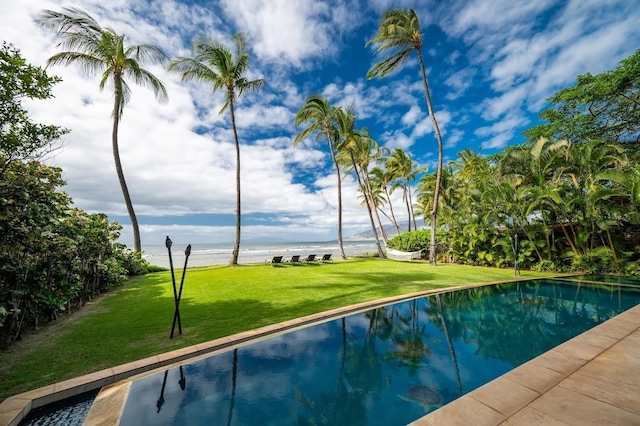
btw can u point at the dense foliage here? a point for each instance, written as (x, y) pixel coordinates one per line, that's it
(602, 107)
(554, 204)
(52, 255)
(20, 137)
(410, 240)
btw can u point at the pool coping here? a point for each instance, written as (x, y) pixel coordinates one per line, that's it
(113, 381)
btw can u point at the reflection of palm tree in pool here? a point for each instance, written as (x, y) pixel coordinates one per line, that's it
(411, 349)
(234, 380)
(452, 352)
(359, 378)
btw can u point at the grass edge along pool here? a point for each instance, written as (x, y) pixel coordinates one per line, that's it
(390, 365)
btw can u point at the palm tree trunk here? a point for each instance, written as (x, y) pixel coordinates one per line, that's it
(406, 201)
(374, 208)
(335, 163)
(381, 210)
(569, 240)
(395, 222)
(436, 192)
(117, 80)
(611, 246)
(373, 225)
(413, 216)
(236, 246)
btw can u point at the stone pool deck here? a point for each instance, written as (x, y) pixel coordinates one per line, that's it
(593, 379)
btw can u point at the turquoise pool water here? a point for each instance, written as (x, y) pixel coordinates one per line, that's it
(612, 279)
(387, 366)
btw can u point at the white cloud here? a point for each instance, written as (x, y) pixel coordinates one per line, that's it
(290, 32)
(452, 139)
(460, 81)
(410, 117)
(179, 158)
(499, 141)
(508, 123)
(494, 108)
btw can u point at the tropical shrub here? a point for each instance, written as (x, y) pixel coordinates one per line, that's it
(410, 241)
(53, 257)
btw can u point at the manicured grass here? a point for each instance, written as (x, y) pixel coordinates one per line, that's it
(134, 322)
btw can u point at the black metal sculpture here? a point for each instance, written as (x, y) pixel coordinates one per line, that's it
(177, 294)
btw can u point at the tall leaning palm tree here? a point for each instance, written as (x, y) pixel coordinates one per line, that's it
(319, 117)
(101, 50)
(400, 33)
(213, 63)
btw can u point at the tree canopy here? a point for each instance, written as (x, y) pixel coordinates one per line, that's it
(20, 137)
(603, 107)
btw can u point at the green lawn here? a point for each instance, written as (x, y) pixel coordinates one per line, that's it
(134, 322)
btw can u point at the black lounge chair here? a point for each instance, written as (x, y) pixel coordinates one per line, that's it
(277, 260)
(311, 258)
(325, 258)
(294, 259)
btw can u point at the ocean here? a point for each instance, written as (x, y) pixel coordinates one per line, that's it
(215, 254)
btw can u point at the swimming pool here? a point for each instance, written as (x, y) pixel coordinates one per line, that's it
(389, 365)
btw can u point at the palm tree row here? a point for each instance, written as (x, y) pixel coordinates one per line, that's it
(354, 150)
(101, 50)
(566, 205)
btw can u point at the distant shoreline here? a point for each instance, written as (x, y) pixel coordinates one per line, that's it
(251, 253)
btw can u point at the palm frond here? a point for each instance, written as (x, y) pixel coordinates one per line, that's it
(88, 63)
(71, 20)
(144, 78)
(389, 65)
(146, 54)
(192, 69)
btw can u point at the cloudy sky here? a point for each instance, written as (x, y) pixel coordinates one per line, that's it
(491, 66)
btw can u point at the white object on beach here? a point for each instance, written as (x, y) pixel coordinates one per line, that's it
(404, 255)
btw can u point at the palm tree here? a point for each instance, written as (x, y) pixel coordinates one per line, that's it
(400, 31)
(319, 115)
(213, 63)
(350, 139)
(400, 165)
(101, 50)
(367, 151)
(380, 180)
(377, 200)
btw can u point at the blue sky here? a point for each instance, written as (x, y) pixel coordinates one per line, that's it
(491, 66)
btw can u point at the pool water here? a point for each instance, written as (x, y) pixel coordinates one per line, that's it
(612, 279)
(386, 366)
(68, 412)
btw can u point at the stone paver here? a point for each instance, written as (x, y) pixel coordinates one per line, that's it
(573, 408)
(462, 412)
(531, 417)
(108, 405)
(505, 396)
(605, 389)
